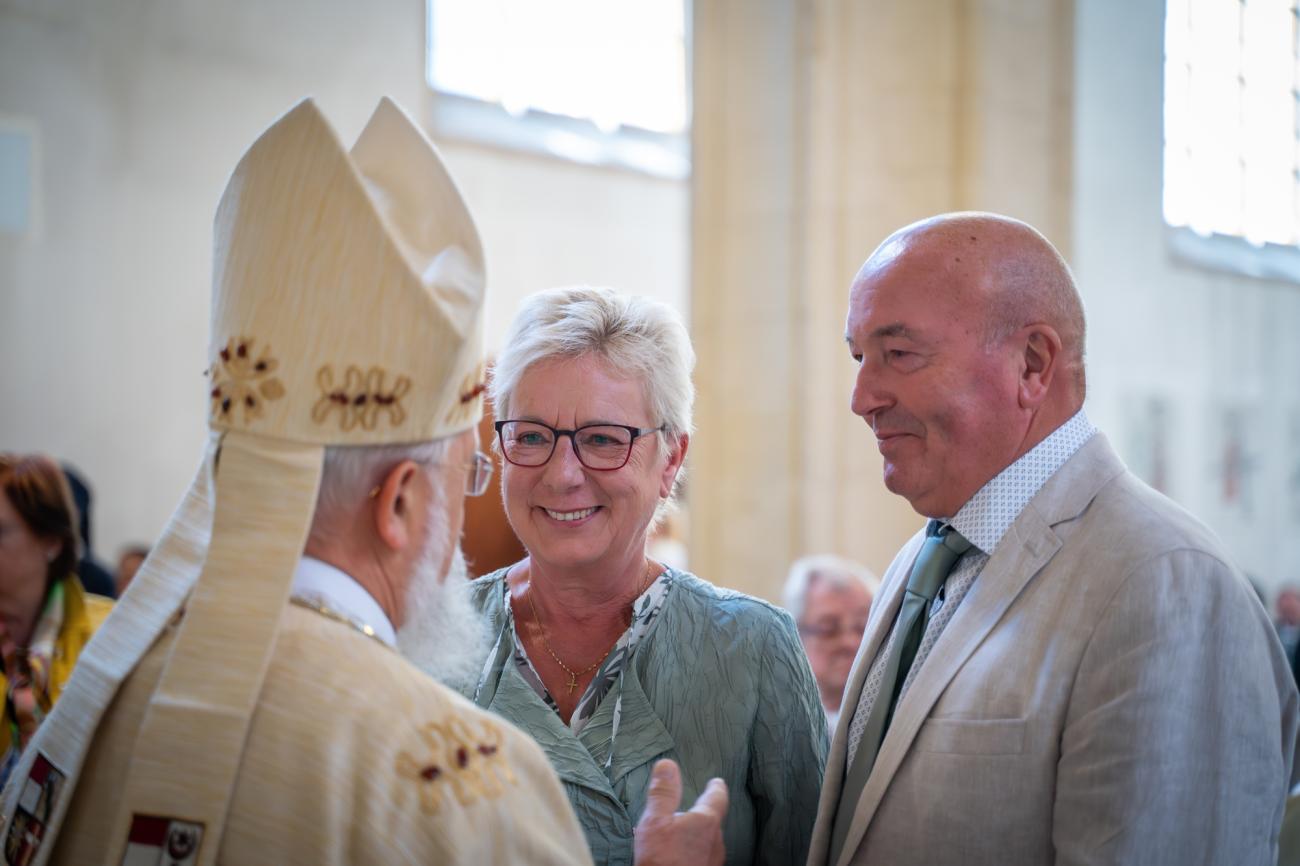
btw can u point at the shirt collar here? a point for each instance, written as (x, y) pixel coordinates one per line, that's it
(340, 592)
(987, 515)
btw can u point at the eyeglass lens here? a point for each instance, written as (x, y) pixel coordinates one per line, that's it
(829, 630)
(480, 474)
(598, 446)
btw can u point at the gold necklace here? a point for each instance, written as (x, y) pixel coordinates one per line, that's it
(574, 676)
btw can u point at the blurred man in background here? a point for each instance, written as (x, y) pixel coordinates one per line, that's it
(133, 556)
(830, 599)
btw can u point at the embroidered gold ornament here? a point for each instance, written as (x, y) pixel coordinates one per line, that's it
(242, 379)
(457, 756)
(361, 399)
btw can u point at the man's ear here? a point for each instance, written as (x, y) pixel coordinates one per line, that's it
(676, 457)
(394, 508)
(1041, 358)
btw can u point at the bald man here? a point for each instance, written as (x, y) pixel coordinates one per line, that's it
(1063, 667)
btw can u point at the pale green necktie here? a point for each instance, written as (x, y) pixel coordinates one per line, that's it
(942, 548)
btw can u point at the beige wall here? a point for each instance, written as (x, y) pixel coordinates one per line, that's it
(546, 222)
(142, 110)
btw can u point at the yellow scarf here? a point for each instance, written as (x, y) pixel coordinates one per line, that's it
(34, 677)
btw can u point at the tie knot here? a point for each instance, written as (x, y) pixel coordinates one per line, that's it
(942, 548)
(953, 540)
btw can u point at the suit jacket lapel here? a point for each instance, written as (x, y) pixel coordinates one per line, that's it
(1029, 545)
(884, 609)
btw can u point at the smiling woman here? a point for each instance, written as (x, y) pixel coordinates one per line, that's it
(608, 658)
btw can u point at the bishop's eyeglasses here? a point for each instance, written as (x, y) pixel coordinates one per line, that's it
(602, 447)
(479, 473)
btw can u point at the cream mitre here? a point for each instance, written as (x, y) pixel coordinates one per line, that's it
(347, 290)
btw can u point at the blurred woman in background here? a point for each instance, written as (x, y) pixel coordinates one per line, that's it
(46, 619)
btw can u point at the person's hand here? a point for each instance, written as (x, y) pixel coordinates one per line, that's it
(667, 837)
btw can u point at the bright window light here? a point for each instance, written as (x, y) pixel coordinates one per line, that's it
(1232, 145)
(616, 63)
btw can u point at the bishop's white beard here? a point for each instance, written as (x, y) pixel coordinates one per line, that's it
(444, 635)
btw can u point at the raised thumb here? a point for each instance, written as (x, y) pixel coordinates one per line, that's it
(665, 793)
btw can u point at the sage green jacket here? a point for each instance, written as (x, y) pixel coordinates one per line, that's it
(719, 684)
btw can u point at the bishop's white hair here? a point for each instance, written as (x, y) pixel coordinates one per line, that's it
(352, 471)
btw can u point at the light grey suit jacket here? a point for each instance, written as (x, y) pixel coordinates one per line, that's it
(1109, 692)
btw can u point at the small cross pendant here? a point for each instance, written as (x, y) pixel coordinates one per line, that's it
(573, 682)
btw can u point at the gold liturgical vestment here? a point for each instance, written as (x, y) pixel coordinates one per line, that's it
(374, 763)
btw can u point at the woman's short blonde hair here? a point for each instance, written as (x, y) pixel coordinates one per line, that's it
(639, 337)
